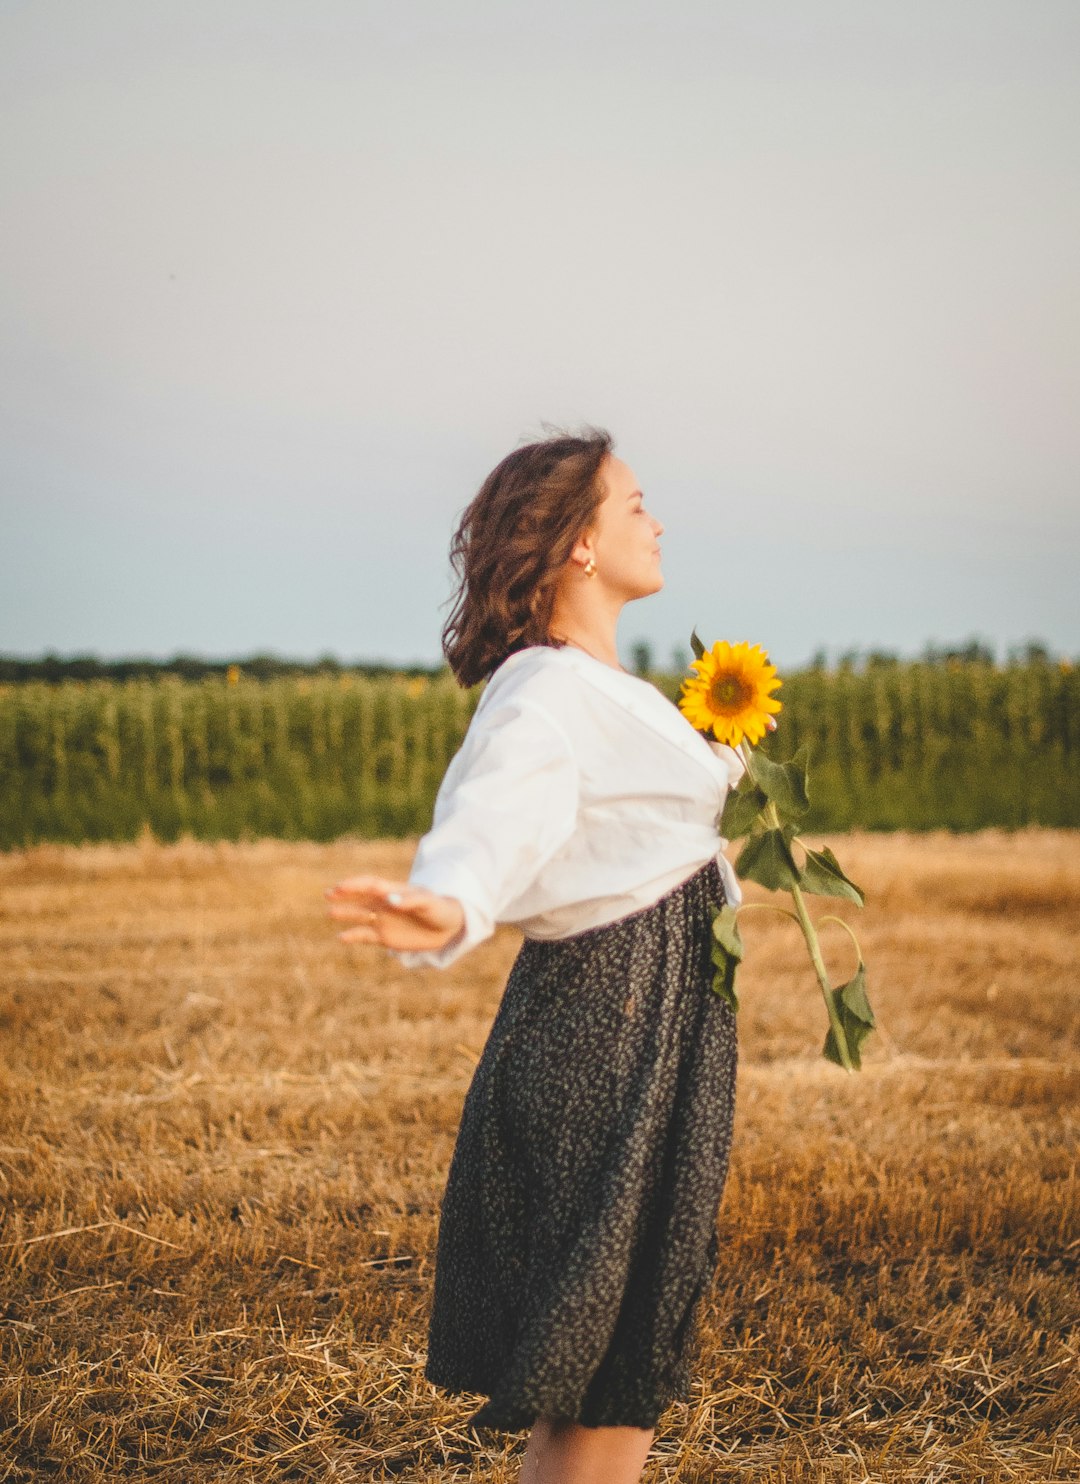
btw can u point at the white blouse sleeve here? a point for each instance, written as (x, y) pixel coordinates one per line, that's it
(735, 765)
(507, 802)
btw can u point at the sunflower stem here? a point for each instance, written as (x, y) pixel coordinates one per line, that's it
(772, 819)
(766, 907)
(847, 929)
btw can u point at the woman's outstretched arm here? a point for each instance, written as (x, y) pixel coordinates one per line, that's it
(506, 803)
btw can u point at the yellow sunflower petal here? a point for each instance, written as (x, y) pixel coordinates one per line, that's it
(730, 692)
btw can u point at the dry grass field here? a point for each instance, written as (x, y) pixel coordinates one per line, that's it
(225, 1135)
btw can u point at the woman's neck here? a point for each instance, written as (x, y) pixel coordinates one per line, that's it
(611, 662)
(589, 619)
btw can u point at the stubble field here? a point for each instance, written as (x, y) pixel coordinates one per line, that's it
(225, 1135)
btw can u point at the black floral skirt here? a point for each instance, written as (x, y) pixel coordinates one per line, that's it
(577, 1231)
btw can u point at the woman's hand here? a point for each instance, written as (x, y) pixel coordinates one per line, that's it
(395, 914)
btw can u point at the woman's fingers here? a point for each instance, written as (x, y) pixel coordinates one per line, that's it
(391, 913)
(364, 934)
(366, 887)
(397, 931)
(359, 908)
(417, 906)
(367, 892)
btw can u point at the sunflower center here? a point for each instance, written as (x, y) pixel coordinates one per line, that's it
(729, 694)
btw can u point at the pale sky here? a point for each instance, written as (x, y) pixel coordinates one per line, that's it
(282, 282)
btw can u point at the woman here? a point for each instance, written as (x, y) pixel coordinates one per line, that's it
(577, 1230)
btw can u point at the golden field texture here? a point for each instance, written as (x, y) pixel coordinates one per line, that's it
(225, 1136)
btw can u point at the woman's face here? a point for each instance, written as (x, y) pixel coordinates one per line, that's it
(625, 537)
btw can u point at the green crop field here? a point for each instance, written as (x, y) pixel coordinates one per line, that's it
(907, 745)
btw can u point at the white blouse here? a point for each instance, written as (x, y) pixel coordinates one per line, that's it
(579, 794)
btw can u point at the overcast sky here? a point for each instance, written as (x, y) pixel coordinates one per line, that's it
(281, 282)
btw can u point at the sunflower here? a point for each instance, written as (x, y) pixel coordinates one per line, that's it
(730, 694)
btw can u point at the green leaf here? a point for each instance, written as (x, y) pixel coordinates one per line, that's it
(767, 859)
(725, 930)
(856, 1019)
(726, 952)
(696, 645)
(784, 783)
(822, 874)
(741, 809)
(724, 978)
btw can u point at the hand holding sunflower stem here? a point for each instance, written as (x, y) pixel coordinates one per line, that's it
(730, 698)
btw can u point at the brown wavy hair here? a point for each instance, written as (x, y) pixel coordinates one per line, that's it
(511, 543)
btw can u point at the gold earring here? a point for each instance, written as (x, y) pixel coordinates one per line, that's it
(590, 568)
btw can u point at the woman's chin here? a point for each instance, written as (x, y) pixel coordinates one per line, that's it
(651, 584)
